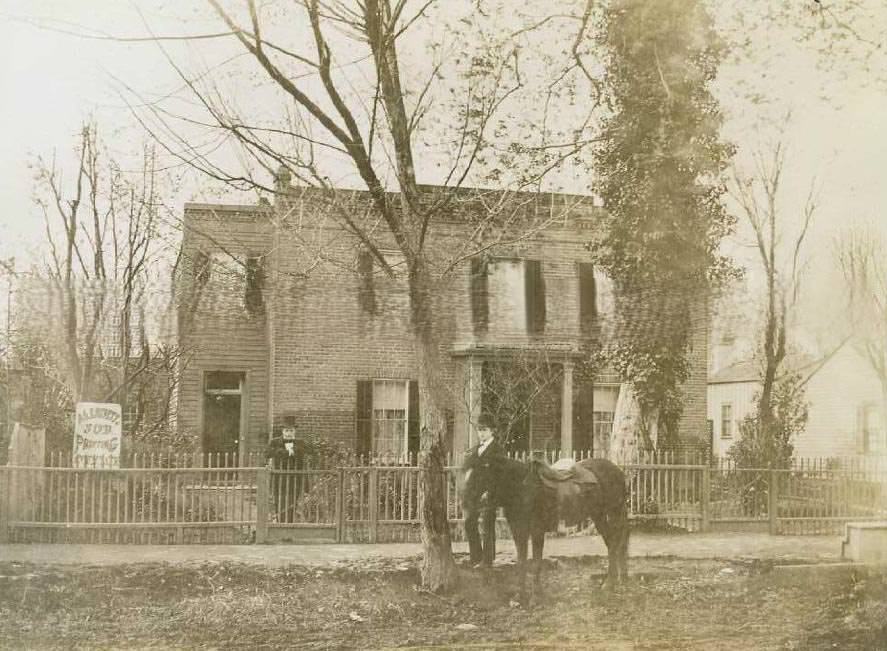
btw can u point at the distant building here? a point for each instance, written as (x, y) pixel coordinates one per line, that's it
(293, 323)
(843, 394)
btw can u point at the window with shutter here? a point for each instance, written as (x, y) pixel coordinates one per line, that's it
(534, 290)
(587, 295)
(255, 283)
(604, 299)
(364, 416)
(508, 297)
(387, 421)
(366, 294)
(480, 310)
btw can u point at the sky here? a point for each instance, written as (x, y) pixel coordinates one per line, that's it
(51, 82)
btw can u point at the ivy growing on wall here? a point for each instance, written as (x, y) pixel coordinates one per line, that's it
(658, 172)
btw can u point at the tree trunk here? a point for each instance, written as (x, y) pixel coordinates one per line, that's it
(633, 430)
(882, 434)
(438, 570)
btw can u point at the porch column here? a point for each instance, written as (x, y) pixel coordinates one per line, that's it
(567, 409)
(475, 373)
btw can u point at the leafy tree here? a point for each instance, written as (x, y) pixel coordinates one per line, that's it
(658, 172)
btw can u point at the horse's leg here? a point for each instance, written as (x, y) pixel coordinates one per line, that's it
(489, 536)
(520, 533)
(608, 533)
(623, 543)
(538, 545)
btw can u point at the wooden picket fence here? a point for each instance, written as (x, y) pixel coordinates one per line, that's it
(182, 498)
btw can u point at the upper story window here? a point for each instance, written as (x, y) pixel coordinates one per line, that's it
(232, 282)
(370, 274)
(595, 293)
(508, 296)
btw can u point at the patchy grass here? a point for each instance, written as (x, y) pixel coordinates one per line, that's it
(669, 604)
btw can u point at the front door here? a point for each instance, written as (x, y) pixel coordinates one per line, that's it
(222, 404)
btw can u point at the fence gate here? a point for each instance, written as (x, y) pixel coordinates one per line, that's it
(303, 505)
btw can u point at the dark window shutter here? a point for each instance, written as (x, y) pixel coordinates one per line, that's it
(534, 288)
(450, 416)
(583, 414)
(366, 294)
(413, 427)
(364, 416)
(480, 308)
(587, 295)
(255, 282)
(202, 268)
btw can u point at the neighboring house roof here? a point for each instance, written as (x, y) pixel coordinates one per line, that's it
(745, 371)
(750, 370)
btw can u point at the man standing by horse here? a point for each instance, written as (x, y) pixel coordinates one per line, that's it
(480, 505)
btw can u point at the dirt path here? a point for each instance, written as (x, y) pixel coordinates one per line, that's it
(690, 546)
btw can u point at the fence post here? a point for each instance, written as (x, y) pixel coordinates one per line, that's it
(5, 504)
(263, 490)
(340, 505)
(374, 504)
(706, 498)
(773, 505)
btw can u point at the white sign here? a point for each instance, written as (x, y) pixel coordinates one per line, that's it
(97, 434)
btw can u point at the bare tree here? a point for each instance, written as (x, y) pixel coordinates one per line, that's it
(782, 261)
(91, 297)
(861, 255)
(370, 124)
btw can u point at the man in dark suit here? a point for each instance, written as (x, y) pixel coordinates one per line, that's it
(477, 503)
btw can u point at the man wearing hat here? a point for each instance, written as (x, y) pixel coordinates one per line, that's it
(480, 507)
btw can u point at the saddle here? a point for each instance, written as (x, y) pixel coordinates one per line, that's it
(566, 483)
(564, 475)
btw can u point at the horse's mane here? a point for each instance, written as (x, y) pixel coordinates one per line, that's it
(513, 465)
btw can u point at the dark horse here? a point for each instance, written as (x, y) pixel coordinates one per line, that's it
(532, 507)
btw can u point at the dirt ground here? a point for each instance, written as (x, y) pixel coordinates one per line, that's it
(668, 604)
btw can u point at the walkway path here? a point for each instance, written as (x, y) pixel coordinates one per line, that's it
(698, 546)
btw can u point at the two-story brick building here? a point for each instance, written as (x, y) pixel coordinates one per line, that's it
(292, 322)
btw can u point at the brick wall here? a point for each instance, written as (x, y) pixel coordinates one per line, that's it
(216, 330)
(317, 338)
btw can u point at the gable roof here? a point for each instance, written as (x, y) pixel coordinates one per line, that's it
(750, 370)
(745, 371)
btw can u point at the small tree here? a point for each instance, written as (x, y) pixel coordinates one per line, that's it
(762, 448)
(758, 196)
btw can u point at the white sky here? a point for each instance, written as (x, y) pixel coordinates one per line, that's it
(50, 82)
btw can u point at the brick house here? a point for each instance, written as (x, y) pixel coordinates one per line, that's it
(292, 323)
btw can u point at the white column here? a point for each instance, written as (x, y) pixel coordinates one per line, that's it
(475, 373)
(567, 409)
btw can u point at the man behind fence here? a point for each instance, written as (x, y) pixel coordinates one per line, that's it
(482, 550)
